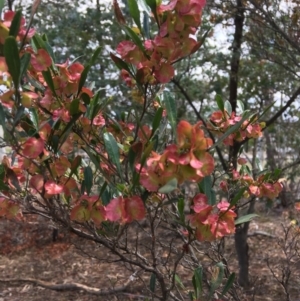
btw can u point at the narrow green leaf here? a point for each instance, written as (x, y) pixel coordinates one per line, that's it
(86, 98)
(15, 24)
(153, 4)
(231, 130)
(112, 149)
(220, 102)
(152, 282)
(34, 118)
(146, 153)
(93, 158)
(171, 109)
(48, 79)
(145, 7)
(49, 49)
(238, 196)
(54, 143)
(227, 107)
(178, 280)
(134, 37)
(11, 54)
(156, 120)
(205, 186)
(88, 179)
(102, 189)
(75, 164)
(18, 115)
(120, 63)
(83, 78)
(95, 56)
(266, 110)
(245, 219)
(135, 13)
(191, 296)
(94, 106)
(38, 42)
(228, 284)
(215, 283)
(197, 281)
(25, 60)
(240, 105)
(2, 117)
(169, 187)
(74, 106)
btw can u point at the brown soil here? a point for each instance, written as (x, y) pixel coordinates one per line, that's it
(27, 251)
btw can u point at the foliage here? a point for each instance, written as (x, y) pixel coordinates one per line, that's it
(100, 176)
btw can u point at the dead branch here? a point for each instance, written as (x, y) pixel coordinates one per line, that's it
(72, 286)
(263, 233)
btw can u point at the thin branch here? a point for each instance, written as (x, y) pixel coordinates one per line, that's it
(284, 108)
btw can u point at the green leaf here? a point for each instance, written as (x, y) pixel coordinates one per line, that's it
(237, 197)
(152, 282)
(11, 54)
(266, 110)
(15, 24)
(103, 188)
(25, 60)
(83, 78)
(120, 63)
(88, 179)
(240, 105)
(2, 117)
(169, 187)
(171, 109)
(134, 37)
(93, 158)
(48, 79)
(153, 4)
(95, 56)
(215, 283)
(156, 120)
(180, 207)
(231, 130)
(178, 280)
(34, 118)
(135, 13)
(145, 7)
(74, 106)
(228, 107)
(19, 114)
(205, 186)
(220, 102)
(228, 284)
(75, 164)
(112, 149)
(197, 281)
(245, 219)
(38, 42)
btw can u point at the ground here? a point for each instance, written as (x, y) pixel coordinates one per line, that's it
(27, 251)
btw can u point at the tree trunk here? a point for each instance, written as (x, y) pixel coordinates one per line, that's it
(241, 246)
